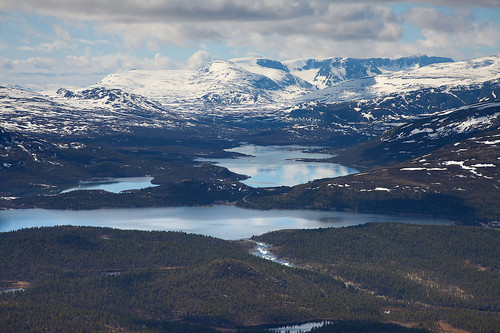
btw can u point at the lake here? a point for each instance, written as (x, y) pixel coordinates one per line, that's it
(270, 166)
(267, 166)
(224, 222)
(115, 185)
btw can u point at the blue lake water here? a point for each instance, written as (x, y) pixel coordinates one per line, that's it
(115, 185)
(267, 166)
(225, 222)
(270, 166)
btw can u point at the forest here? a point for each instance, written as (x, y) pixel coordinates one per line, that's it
(98, 279)
(453, 270)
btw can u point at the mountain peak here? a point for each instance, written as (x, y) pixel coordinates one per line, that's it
(328, 72)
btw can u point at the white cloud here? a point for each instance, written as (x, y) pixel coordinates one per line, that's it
(198, 59)
(99, 37)
(86, 70)
(428, 18)
(178, 20)
(452, 32)
(268, 26)
(53, 46)
(157, 10)
(450, 3)
(331, 22)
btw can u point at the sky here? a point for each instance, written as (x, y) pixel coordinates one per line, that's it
(47, 44)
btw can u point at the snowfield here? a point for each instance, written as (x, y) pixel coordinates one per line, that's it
(262, 90)
(447, 76)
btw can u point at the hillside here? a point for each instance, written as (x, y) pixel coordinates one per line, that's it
(328, 72)
(450, 168)
(424, 135)
(254, 98)
(426, 264)
(98, 279)
(145, 281)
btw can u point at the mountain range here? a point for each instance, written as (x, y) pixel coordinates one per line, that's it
(267, 94)
(420, 125)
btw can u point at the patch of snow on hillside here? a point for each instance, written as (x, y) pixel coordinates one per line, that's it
(382, 189)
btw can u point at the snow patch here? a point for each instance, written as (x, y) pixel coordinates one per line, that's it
(489, 165)
(382, 189)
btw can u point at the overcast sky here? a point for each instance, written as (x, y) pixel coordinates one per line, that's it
(55, 43)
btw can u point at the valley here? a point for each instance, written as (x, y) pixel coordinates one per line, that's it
(411, 140)
(136, 124)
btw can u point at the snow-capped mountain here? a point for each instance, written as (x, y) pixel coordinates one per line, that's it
(427, 134)
(245, 81)
(402, 94)
(87, 112)
(256, 93)
(445, 76)
(328, 72)
(252, 80)
(116, 99)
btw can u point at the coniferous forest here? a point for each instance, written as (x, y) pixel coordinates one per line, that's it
(99, 279)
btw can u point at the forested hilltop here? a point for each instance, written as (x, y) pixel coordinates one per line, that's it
(454, 271)
(100, 279)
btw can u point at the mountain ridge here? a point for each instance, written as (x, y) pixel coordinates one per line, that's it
(334, 70)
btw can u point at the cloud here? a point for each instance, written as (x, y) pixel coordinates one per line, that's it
(201, 19)
(344, 22)
(198, 59)
(53, 46)
(265, 25)
(444, 31)
(97, 37)
(61, 33)
(172, 10)
(428, 18)
(447, 3)
(322, 20)
(84, 70)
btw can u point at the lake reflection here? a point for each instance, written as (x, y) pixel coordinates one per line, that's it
(225, 222)
(276, 166)
(115, 185)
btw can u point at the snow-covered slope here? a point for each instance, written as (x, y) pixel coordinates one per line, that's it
(426, 134)
(445, 76)
(251, 80)
(88, 112)
(224, 83)
(159, 85)
(328, 72)
(244, 81)
(273, 69)
(113, 99)
(453, 123)
(256, 92)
